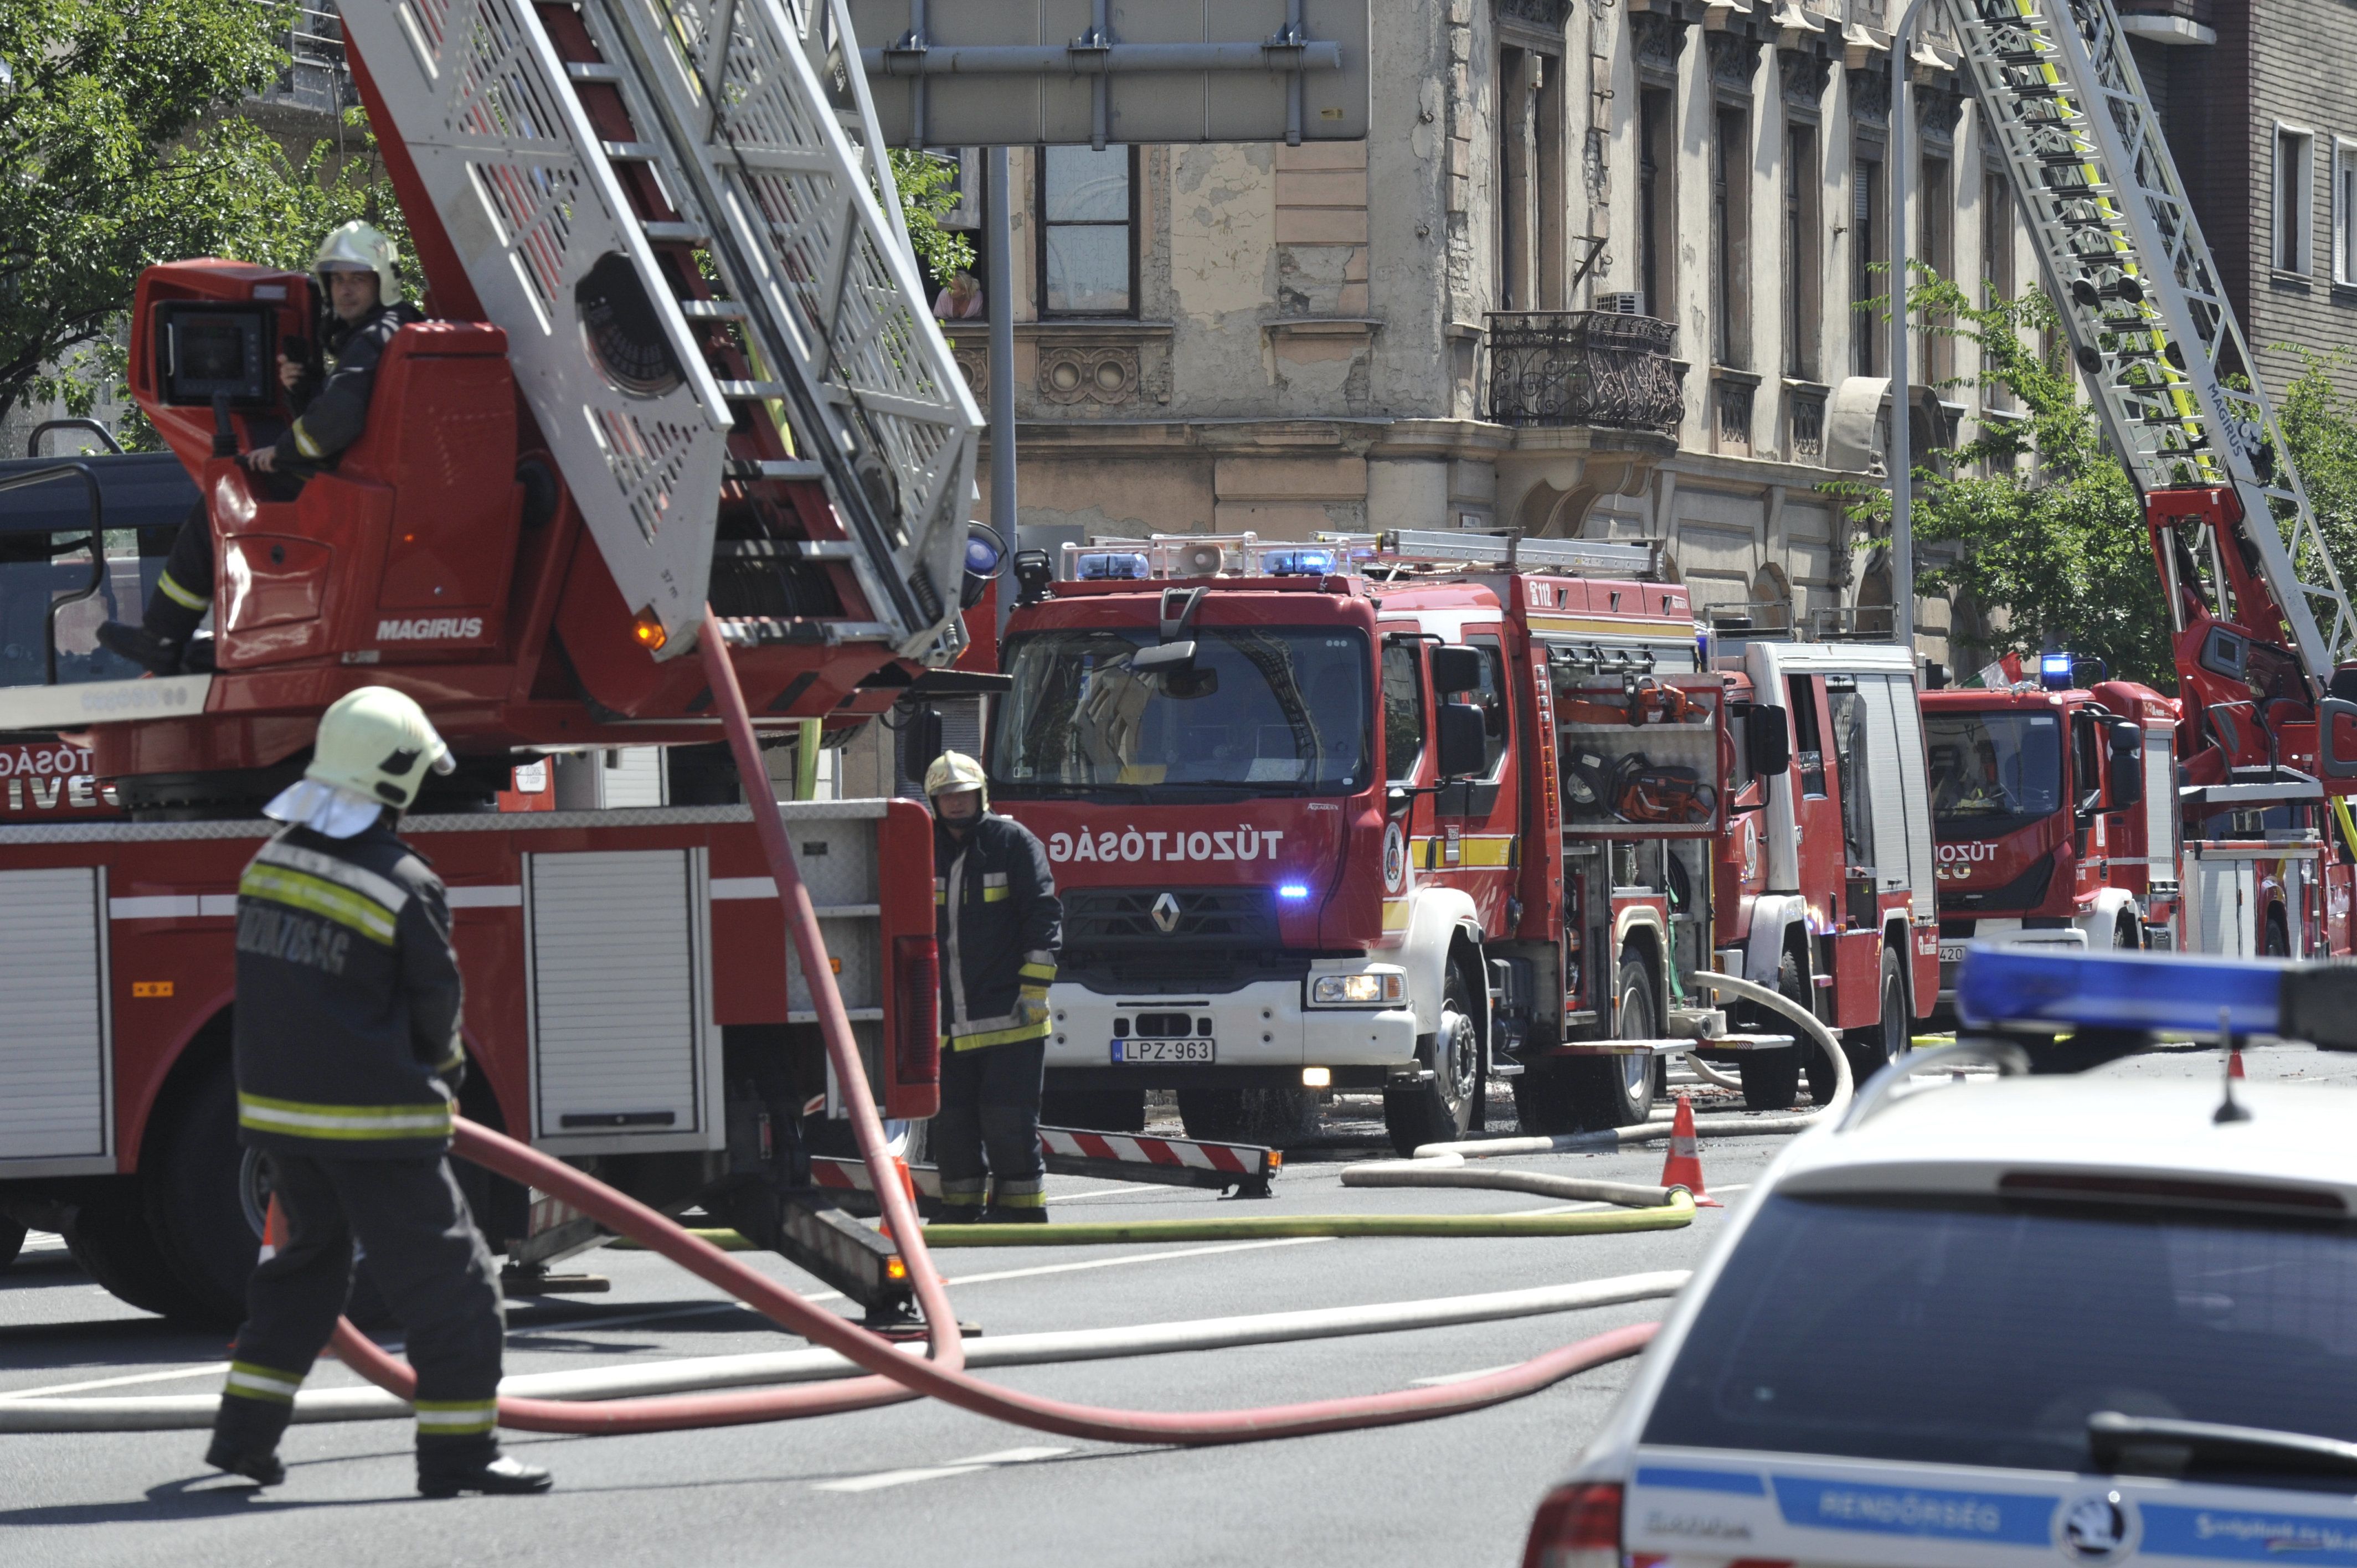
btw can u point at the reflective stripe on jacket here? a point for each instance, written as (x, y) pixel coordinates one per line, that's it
(347, 998)
(1000, 924)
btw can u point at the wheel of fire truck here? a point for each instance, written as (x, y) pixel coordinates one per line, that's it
(12, 1241)
(1280, 1118)
(1097, 1109)
(1442, 1111)
(1771, 1080)
(2278, 939)
(1617, 1091)
(1872, 1049)
(109, 1236)
(202, 1196)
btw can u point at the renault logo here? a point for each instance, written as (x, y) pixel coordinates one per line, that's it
(1166, 913)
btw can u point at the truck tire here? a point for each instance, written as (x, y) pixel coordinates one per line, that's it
(1617, 1091)
(1771, 1080)
(110, 1237)
(1097, 1109)
(204, 1196)
(1280, 1117)
(1542, 1097)
(12, 1241)
(1871, 1050)
(2278, 936)
(1442, 1111)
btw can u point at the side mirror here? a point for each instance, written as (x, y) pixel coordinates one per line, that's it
(1464, 753)
(1767, 741)
(1456, 669)
(1168, 656)
(2336, 737)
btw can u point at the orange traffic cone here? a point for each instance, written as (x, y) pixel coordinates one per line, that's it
(908, 1185)
(274, 1232)
(1683, 1167)
(2235, 1064)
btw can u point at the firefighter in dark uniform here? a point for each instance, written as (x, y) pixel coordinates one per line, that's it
(1000, 924)
(361, 308)
(348, 1057)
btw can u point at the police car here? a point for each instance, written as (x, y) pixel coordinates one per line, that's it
(2079, 1319)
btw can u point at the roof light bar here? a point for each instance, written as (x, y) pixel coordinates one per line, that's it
(2021, 987)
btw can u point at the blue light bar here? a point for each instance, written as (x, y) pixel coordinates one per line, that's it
(980, 557)
(1297, 563)
(1103, 565)
(2054, 674)
(1293, 890)
(2001, 984)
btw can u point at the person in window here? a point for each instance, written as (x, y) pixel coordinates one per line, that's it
(361, 308)
(961, 301)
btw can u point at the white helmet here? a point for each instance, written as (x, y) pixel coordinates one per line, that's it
(377, 743)
(954, 771)
(358, 247)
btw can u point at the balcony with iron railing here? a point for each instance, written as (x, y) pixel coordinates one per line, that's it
(1570, 368)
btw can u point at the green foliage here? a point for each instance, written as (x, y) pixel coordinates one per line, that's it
(119, 148)
(2048, 537)
(2319, 424)
(927, 186)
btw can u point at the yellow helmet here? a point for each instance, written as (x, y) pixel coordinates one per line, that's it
(952, 771)
(377, 743)
(358, 247)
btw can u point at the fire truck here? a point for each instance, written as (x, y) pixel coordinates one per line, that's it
(1413, 812)
(677, 356)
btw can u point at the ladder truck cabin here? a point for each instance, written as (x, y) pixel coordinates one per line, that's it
(1414, 813)
(2250, 849)
(676, 355)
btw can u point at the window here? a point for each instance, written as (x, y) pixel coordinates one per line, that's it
(1996, 260)
(2294, 152)
(2344, 213)
(1802, 314)
(1489, 696)
(1848, 709)
(1657, 157)
(1404, 724)
(1730, 238)
(1934, 355)
(1808, 750)
(1530, 174)
(1087, 252)
(1865, 248)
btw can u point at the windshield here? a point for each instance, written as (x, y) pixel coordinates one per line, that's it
(1272, 709)
(1987, 1333)
(1986, 768)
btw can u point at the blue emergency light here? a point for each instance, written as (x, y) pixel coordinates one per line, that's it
(1299, 562)
(1293, 890)
(2018, 985)
(980, 555)
(1105, 565)
(2054, 674)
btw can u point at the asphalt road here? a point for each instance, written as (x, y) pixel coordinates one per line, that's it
(916, 1484)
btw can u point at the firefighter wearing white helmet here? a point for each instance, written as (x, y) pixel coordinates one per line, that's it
(347, 1054)
(360, 309)
(1000, 924)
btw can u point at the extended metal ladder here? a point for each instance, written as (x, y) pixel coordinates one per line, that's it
(760, 242)
(2150, 325)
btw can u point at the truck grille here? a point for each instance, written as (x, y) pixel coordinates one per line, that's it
(1124, 918)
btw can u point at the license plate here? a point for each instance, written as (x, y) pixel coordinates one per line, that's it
(1128, 1051)
(1951, 952)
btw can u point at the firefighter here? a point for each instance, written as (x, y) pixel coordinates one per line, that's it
(1000, 924)
(360, 309)
(348, 1057)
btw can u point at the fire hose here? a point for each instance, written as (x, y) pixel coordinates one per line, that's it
(897, 1375)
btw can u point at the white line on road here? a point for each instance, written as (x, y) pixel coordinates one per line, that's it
(117, 1382)
(883, 1478)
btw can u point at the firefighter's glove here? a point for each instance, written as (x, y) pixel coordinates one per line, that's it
(1032, 1005)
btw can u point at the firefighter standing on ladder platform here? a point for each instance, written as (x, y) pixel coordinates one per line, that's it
(1000, 924)
(347, 1056)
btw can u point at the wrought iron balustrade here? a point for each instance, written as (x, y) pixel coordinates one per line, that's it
(1583, 368)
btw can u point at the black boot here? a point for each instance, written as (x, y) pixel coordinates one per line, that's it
(157, 655)
(484, 1470)
(265, 1467)
(245, 1438)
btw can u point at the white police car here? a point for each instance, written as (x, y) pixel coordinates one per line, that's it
(2050, 1319)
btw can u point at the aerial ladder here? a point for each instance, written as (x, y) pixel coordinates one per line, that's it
(2263, 634)
(680, 352)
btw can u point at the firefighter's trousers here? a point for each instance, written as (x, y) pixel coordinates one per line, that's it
(986, 1137)
(427, 1259)
(185, 591)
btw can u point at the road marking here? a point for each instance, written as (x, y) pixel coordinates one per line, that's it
(884, 1478)
(1462, 1377)
(1128, 1188)
(117, 1382)
(1137, 1258)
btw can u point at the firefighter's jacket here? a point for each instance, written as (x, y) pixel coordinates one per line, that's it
(347, 999)
(332, 417)
(1000, 924)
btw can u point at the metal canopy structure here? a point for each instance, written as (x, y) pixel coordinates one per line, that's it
(1091, 72)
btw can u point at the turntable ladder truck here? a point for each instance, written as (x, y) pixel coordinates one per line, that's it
(678, 354)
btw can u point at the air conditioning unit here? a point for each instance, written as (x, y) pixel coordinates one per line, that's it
(1632, 303)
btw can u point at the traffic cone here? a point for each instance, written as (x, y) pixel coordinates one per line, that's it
(908, 1185)
(2235, 1064)
(274, 1232)
(1683, 1167)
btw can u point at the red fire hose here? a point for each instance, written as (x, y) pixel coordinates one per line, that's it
(899, 1375)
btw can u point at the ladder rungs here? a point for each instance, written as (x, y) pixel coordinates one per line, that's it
(712, 310)
(629, 152)
(684, 233)
(784, 549)
(592, 71)
(776, 468)
(755, 390)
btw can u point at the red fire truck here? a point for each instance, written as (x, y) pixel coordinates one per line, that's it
(640, 392)
(1413, 813)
